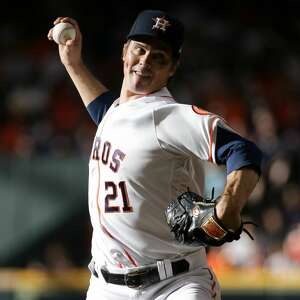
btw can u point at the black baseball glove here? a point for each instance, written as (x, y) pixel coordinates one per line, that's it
(193, 221)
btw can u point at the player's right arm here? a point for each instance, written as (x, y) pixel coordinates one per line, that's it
(88, 86)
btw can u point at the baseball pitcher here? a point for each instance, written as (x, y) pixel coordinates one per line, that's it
(150, 221)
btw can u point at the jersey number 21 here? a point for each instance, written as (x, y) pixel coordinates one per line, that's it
(112, 195)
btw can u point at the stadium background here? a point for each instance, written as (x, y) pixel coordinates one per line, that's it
(240, 60)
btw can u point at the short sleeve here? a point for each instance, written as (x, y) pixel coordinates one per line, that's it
(186, 130)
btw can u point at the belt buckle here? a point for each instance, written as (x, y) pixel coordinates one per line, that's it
(133, 279)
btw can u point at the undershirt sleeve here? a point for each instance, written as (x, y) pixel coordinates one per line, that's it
(236, 152)
(98, 107)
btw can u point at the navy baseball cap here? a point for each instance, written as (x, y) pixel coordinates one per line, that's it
(159, 25)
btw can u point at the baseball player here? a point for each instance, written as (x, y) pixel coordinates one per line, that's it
(150, 150)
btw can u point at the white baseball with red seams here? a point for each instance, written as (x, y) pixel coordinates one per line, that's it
(146, 152)
(62, 32)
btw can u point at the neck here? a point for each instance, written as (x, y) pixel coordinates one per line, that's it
(127, 95)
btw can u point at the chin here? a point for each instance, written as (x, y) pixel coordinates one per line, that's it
(139, 90)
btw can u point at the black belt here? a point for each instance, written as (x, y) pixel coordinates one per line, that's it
(141, 278)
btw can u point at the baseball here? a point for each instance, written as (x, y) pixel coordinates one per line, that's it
(62, 32)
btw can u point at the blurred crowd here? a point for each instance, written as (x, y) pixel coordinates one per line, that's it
(242, 63)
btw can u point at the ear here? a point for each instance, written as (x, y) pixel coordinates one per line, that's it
(174, 67)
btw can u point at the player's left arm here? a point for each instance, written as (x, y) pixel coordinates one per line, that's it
(243, 163)
(209, 138)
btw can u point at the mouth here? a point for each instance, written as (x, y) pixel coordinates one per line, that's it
(142, 74)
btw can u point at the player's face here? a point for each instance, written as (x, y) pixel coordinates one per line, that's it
(147, 67)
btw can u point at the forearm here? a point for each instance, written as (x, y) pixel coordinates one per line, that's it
(88, 86)
(239, 186)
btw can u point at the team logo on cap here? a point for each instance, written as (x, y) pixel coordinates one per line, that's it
(161, 23)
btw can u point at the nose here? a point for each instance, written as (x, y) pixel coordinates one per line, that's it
(145, 59)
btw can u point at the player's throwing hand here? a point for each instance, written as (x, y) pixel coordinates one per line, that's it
(70, 53)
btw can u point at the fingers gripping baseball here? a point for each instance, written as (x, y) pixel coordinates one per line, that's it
(69, 42)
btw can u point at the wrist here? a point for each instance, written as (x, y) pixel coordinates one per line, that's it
(230, 218)
(75, 66)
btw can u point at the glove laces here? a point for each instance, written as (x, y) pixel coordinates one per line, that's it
(246, 230)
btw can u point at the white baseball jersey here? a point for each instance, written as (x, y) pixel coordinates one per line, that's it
(146, 152)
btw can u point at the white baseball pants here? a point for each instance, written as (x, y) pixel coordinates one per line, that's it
(198, 284)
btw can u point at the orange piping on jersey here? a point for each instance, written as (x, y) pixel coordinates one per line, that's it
(97, 194)
(203, 112)
(130, 258)
(213, 285)
(111, 236)
(105, 229)
(213, 292)
(99, 211)
(210, 143)
(200, 111)
(211, 139)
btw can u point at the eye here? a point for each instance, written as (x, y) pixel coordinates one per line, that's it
(138, 50)
(161, 58)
